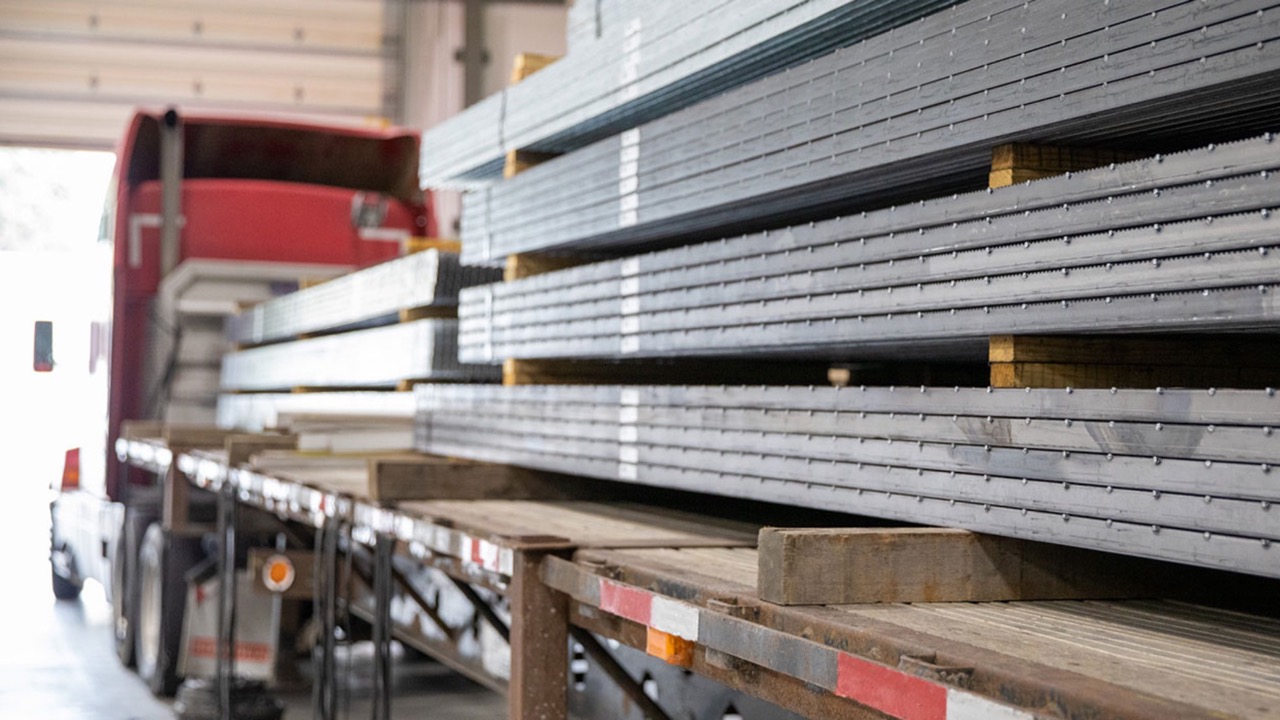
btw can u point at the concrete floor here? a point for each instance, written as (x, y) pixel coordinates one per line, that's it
(57, 660)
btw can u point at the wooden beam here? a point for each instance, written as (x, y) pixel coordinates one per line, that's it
(1015, 163)
(523, 265)
(526, 64)
(438, 478)
(175, 500)
(845, 566)
(241, 447)
(136, 429)
(1094, 361)
(663, 372)
(419, 244)
(186, 437)
(431, 311)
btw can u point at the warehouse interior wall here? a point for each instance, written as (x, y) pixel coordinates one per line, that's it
(434, 75)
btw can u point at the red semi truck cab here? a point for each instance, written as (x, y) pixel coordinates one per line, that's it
(252, 191)
(206, 214)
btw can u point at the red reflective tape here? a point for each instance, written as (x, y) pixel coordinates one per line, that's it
(625, 602)
(890, 691)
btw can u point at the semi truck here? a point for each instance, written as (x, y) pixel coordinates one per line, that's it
(205, 215)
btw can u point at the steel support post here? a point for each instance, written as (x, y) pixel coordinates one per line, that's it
(225, 667)
(324, 698)
(539, 643)
(383, 593)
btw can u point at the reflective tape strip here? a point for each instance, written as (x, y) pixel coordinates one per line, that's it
(967, 706)
(487, 555)
(890, 691)
(630, 603)
(660, 613)
(674, 618)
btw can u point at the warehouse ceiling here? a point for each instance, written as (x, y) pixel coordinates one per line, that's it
(71, 71)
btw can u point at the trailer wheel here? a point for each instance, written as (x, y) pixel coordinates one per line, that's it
(63, 589)
(66, 583)
(162, 561)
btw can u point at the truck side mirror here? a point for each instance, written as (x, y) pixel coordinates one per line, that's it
(43, 361)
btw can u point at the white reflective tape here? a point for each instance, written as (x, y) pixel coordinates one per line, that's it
(506, 561)
(628, 185)
(628, 415)
(631, 43)
(629, 93)
(967, 706)
(633, 26)
(627, 471)
(630, 344)
(630, 286)
(674, 618)
(630, 306)
(628, 218)
(629, 396)
(631, 137)
(404, 528)
(439, 540)
(629, 202)
(630, 325)
(628, 454)
(631, 266)
(489, 556)
(628, 434)
(628, 162)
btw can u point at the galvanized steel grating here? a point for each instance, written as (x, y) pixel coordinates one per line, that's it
(1171, 474)
(901, 114)
(1178, 242)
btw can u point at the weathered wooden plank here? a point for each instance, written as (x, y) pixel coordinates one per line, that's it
(663, 372)
(1226, 350)
(841, 566)
(241, 447)
(1014, 163)
(136, 429)
(429, 311)
(428, 478)
(1095, 361)
(419, 244)
(192, 436)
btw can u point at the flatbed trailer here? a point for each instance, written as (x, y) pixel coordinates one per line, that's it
(682, 587)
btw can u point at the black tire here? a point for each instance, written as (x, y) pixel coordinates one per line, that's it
(162, 561)
(66, 584)
(125, 586)
(64, 589)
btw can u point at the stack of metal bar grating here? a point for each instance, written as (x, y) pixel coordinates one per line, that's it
(1179, 242)
(901, 114)
(1183, 475)
(370, 297)
(630, 62)
(374, 357)
(369, 347)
